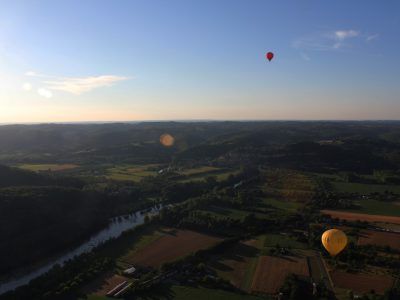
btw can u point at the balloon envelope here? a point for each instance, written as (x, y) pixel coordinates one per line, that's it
(334, 241)
(269, 56)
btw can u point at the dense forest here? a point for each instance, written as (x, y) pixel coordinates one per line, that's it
(359, 146)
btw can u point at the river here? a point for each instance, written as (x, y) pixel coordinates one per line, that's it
(115, 228)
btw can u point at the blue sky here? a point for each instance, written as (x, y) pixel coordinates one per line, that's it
(137, 60)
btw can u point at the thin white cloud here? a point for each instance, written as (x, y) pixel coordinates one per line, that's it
(79, 85)
(371, 37)
(45, 93)
(345, 34)
(27, 86)
(326, 41)
(72, 85)
(341, 35)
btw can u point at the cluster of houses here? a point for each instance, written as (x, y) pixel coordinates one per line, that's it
(131, 274)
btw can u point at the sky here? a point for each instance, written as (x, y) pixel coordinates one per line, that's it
(128, 60)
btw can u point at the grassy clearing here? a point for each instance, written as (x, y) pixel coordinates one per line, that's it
(375, 207)
(335, 177)
(95, 297)
(288, 185)
(47, 167)
(219, 174)
(199, 170)
(222, 212)
(131, 172)
(351, 187)
(271, 240)
(282, 204)
(288, 179)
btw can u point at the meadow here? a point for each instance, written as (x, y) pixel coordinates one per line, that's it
(375, 207)
(223, 212)
(203, 172)
(47, 167)
(283, 240)
(364, 188)
(282, 204)
(131, 172)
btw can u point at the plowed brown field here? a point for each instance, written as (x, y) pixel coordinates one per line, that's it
(344, 215)
(369, 237)
(271, 272)
(171, 247)
(362, 283)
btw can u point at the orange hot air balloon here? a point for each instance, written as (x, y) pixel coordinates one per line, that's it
(334, 241)
(269, 56)
(167, 140)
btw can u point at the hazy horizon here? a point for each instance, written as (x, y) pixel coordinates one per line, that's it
(197, 120)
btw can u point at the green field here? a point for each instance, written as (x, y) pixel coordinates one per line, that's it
(201, 173)
(95, 297)
(131, 172)
(352, 187)
(222, 212)
(283, 204)
(199, 170)
(271, 240)
(47, 167)
(375, 207)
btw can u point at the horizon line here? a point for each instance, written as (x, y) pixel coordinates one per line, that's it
(194, 120)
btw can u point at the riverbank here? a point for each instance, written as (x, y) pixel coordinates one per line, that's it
(116, 227)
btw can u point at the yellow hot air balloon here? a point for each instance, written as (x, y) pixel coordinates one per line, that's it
(334, 241)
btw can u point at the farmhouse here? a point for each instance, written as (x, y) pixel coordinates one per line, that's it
(130, 271)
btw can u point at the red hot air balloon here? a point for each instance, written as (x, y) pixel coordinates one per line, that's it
(269, 56)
